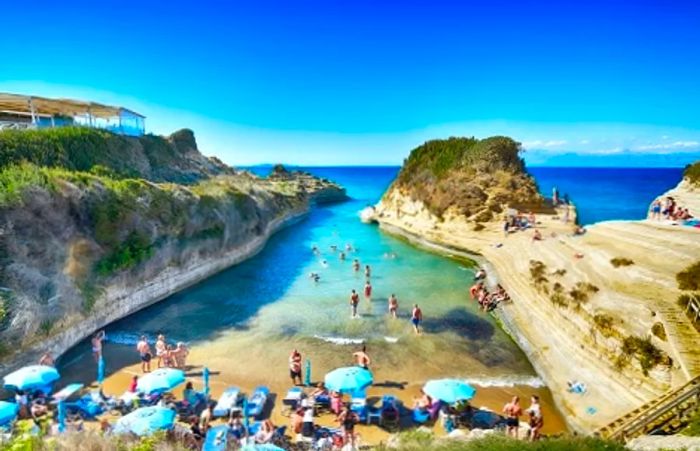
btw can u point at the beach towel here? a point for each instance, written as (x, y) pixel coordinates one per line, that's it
(257, 401)
(227, 401)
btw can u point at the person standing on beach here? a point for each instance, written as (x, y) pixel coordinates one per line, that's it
(512, 410)
(393, 305)
(97, 345)
(354, 300)
(368, 290)
(362, 358)
(295, 367)
(536, 418)
(144, 350)
(161, 349)
(416, 318)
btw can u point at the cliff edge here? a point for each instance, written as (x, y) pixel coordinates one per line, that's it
(597, 307)
(94, 226)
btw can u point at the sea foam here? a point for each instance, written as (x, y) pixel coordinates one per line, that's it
(506, 381)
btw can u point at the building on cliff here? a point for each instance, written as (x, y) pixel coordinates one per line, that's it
(31, 112)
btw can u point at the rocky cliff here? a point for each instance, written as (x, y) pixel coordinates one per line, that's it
(87, 239)
(598, 308)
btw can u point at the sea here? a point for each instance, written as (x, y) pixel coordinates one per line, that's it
(271, 298)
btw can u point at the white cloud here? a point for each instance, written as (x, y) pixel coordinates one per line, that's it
(674, 145)
(544, 144)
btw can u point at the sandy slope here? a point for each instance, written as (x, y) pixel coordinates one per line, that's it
(562, 342)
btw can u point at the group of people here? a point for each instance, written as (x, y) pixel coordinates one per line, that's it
(167, 355)
(513, 411)
(487, 300)
(668, 209)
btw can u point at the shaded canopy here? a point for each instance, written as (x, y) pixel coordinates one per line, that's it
(22, 104)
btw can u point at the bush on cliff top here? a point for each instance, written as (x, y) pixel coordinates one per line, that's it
(692, 173)
(689, 278)
(474, 177)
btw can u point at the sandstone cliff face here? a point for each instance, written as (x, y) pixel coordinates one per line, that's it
(576, 315)
(79, 250)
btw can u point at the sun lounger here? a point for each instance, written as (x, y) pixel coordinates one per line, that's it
(292, 400)
(217, 438)
(227, 401)
(256, 402)
(358, 404)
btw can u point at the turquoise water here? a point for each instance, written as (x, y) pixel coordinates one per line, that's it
(271, 299)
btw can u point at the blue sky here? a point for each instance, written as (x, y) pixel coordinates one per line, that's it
(363, 82)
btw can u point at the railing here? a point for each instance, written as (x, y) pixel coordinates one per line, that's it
(693, 305)
(660, 415)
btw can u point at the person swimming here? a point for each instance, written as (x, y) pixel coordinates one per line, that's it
(334, 247)
(348, 247)
(356, 265)
(368, 290)
(368, 271)
(324, 263)
(314, 276)
(342, 255)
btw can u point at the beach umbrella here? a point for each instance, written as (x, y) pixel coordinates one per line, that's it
(8, 412)
(146, 421)
(31, 377)
(205, 377)
(449, 390)
(61, 416)
(160, 380)
(100, 370)
(348, 379)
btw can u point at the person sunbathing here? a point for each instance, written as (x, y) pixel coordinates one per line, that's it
(319, 392)
(180, 355)
(424, 402)
(536, 236)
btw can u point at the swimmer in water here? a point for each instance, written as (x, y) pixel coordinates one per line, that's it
(334, 247)
(393, 305)
(368, 271)
(314, 249)
(324, 263)
(342, 255)
(348, 247)
(368, 291)
(356, 265)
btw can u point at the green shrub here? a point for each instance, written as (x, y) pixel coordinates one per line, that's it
(621, 261)
(692, 173)
(689, 278)
(605, 324)
(16, 178)
(559, 272)
(136, 248)
(582, 292)
(46, 326)
(659, 331)
(644, 351)
(537, 269)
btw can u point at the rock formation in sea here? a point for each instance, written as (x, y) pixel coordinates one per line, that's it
(598, 309)
(94, 226)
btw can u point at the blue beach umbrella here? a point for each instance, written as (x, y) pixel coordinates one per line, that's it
(31, 377)
(8, 412)
(61, 416)
(205, 377)
(449, 390)
(348, 379)
(146, 421)
(160, 380)
(100, 370)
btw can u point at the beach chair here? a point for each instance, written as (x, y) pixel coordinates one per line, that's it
(227, 402)
(292, 400)
(390, 413)
(257, 401)
(216, 439)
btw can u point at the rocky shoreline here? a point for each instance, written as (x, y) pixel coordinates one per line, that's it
(560, 342)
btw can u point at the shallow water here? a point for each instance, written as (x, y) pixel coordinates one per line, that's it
(270, 302)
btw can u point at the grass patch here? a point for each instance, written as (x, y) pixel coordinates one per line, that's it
(621, 261)
(135, 249)
(413, 441)
(582, 292)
